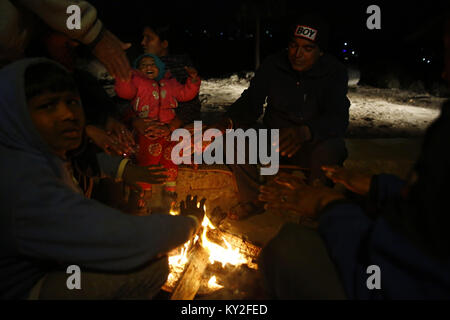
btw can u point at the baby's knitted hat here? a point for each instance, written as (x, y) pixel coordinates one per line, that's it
(159, 64)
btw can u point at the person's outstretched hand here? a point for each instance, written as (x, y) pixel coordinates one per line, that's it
(110, 51)
(108, 142)
(153, 174)
(354, 180)
(156, 129)
(288, 192)
(120, 131)
(191, 207)
(292, 139)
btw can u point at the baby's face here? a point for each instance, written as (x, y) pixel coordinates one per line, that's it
(148, 67)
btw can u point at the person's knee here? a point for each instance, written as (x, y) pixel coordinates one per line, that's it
(284, 248)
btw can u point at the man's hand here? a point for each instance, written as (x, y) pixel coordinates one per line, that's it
(192, 73)
(109, 143)
(120, 131)
(153, 174)
(290, 193)
(354, 180)
(292, 139)
(191, 207)
(111, 52)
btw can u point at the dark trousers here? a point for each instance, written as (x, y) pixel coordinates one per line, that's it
(296, 265)
(311, 156)
(143, 283)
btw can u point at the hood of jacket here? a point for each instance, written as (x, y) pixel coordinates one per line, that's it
(17, 130)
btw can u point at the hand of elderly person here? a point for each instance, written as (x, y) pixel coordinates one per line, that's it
(288, 192)
(292, 139)
(108, 142)
(354, 180)
(110, 51)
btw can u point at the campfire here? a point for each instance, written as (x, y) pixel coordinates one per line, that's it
(198, 266)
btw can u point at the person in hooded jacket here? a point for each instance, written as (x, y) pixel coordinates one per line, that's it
(46, 222)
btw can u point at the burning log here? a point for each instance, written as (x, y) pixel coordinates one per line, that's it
(190, 281)
(246, 248)
(211, 247)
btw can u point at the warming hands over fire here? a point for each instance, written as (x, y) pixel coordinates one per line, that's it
(292, 139)
(108, 142)
(191, 207)
(354, 180)
(288, 192)
(119, 131)
(152, 129)
(153, 174)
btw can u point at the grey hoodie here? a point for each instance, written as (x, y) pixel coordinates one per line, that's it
(45, 223)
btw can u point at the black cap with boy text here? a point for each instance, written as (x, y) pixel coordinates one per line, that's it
(312, 27)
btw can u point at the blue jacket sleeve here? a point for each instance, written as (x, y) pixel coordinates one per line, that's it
(52, 222)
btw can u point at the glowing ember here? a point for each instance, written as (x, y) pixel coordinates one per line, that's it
(213, 284)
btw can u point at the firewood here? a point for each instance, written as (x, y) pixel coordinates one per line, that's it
(190, 281)
(245, 247)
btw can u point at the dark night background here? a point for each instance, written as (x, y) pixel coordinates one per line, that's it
(220, 35)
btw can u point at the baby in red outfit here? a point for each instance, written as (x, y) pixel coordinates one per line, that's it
(155, 95)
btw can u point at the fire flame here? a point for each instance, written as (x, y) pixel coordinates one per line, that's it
(216, 252)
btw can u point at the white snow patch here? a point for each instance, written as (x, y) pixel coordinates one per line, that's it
(370, 112)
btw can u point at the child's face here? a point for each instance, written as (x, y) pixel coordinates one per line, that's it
(59, 118)
(148, 67)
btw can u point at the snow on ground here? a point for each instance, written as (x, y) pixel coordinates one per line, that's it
(374, 112)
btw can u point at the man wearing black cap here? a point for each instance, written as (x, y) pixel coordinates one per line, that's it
(306, 92)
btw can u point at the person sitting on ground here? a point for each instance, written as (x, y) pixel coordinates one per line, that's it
(47, 224)
(155, 94)
(400, 249)
(306, 93)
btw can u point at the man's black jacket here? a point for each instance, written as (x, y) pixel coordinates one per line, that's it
(316, 98)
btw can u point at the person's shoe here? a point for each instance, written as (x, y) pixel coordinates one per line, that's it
(245, 210)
